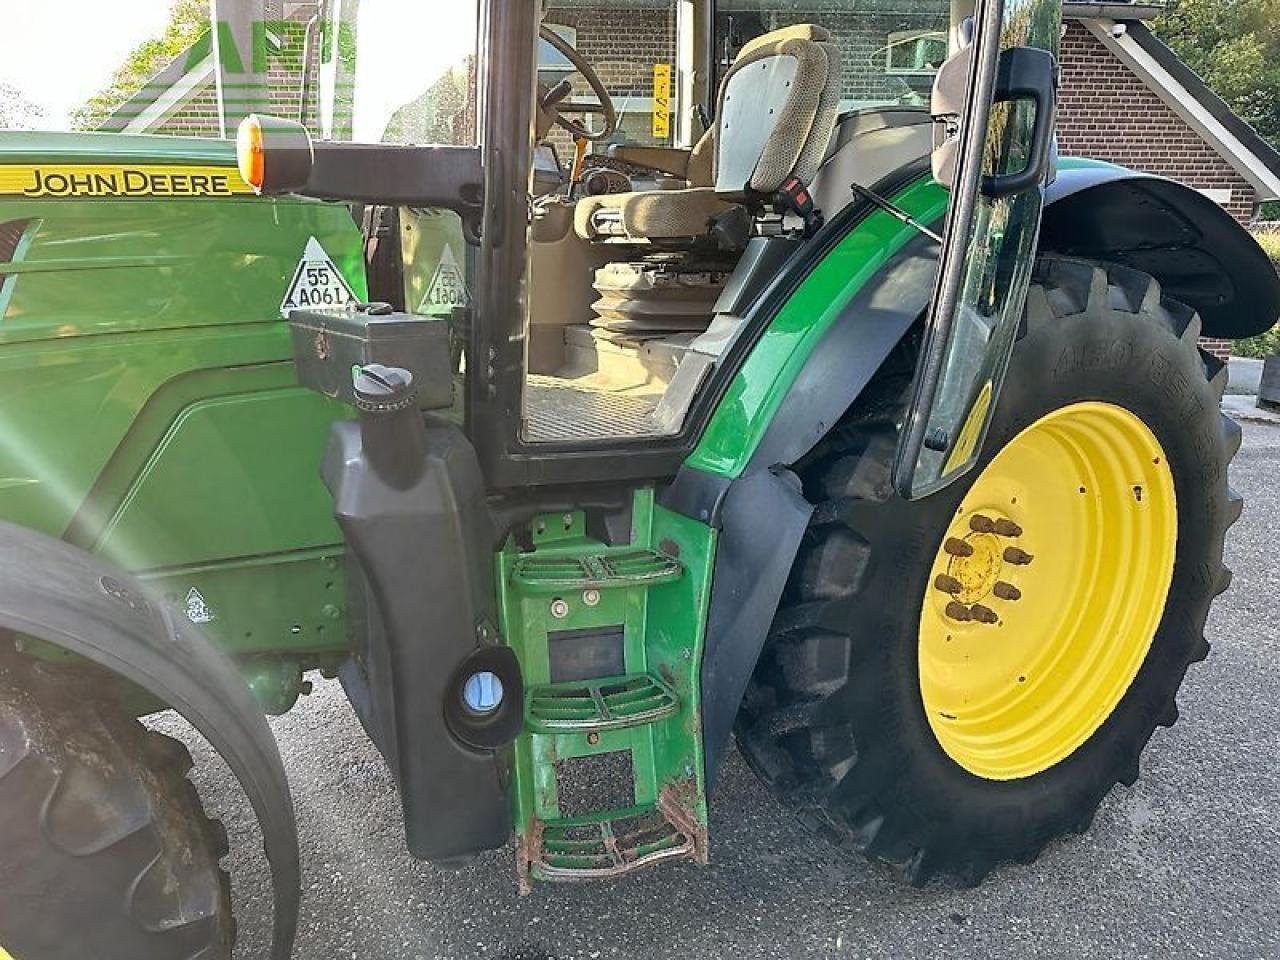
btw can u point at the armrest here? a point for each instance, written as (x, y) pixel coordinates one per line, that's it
(672, 160)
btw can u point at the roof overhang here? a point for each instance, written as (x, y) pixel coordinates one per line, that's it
(1186, 94)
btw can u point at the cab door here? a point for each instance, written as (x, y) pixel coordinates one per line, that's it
(994, 104)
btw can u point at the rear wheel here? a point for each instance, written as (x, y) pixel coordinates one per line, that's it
(105, 850)
(953, 682)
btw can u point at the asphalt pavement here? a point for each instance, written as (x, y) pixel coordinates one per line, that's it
(1184, 864)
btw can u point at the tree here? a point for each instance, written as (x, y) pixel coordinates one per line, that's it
(16, 111)
(188, 20)
(1234, 45)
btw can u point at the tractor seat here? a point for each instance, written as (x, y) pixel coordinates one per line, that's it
(775, 116)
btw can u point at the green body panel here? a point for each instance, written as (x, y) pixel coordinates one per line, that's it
(662, 626)
(758, 389)
(149, 409)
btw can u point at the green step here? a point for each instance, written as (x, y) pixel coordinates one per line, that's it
(602, 845)
(598, 571)
(608, 703)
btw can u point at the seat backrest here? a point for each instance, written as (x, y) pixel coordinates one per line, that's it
(776, 112)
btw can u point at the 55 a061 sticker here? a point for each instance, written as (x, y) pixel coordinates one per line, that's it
(317, 283)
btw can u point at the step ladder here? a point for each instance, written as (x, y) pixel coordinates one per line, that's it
(607, 774)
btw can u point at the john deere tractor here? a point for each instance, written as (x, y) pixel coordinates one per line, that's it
(724, 398)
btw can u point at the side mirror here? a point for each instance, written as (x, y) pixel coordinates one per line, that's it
(1024, 74)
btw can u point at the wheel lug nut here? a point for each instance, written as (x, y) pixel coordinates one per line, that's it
(1006, 591)
(980, 524)
(983, 614)
(957, 547)
(1007, 528)
(947, 584)
(958, 611)
(1019, 558)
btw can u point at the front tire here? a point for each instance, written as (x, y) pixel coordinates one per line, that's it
(856, 715)
(105, 850)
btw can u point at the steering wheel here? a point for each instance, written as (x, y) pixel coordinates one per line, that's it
(551, 99)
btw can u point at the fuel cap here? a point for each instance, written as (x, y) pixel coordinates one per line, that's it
(380, 388)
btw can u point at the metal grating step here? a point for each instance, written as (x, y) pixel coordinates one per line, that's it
(605, 704)
(565, 411)
(627, 568)
(611, 844)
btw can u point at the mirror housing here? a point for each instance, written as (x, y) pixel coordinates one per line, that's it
(946, 105)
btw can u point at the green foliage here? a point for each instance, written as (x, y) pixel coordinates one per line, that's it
(188, 20)
(1265, 344)
(1270, 242)
(1235, 46)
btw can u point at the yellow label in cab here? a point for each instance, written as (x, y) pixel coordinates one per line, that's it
(119, 180)
(661, 101)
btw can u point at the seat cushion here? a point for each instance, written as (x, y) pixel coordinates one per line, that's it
(648, 214)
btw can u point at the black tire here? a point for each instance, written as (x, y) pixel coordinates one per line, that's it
(105, 850)
(833, 720)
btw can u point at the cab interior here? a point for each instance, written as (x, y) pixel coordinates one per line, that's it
(673, 178)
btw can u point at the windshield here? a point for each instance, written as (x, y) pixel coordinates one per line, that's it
(104, 73)
(401, 72)
(890, 50)
(632, 45)
(397, 71)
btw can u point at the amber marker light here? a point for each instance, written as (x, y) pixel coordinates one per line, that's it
(250, 156)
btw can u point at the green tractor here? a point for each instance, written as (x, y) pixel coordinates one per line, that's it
(875, 436)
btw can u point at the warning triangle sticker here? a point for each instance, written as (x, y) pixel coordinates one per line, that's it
(317, 283)
(448, 288)
(197, 609)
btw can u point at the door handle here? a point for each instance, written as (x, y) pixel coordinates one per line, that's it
(1027, 73)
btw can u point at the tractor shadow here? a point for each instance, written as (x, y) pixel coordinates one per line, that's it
(771, 890)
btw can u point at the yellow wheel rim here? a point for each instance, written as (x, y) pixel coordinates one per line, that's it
(1047, 591)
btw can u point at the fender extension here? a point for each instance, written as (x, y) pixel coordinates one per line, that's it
(1200, 254)
(69, 598)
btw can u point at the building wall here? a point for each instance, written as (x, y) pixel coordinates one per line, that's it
(1108, 113)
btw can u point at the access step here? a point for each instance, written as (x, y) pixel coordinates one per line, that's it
(603, 845)
(535, 573)
(610, 703)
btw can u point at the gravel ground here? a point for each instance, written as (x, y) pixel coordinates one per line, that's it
(1184, 864)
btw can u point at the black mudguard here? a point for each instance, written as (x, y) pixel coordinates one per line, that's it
(1200, 254)
(69, 598)
(752, 563)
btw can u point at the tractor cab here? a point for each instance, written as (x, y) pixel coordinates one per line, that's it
(673, 161)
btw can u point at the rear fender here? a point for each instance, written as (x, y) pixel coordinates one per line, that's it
(1200, 254)
(73, 600)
